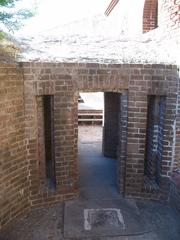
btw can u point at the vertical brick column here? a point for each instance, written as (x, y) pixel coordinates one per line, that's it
(33, 114)
(136, 137)
(176, 163)
(150, 15)
(122, 142)
(168, 143)
(65, 134)
(162, 112)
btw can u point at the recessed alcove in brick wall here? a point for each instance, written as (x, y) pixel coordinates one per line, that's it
(155, 134)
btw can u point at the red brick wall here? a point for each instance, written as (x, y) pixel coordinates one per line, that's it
(169, 14)
(14, 187)
(150, 16)
(22, 142)
(164, 14)
(49, 79)
(122, 144)
(176, 163)
(64, 82)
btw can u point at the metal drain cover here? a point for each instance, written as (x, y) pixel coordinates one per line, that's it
(105, 217)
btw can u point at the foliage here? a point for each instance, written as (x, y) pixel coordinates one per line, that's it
(10, 17)
(2, 35)
(7, 3)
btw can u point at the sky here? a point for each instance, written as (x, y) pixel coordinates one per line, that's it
(59, 12)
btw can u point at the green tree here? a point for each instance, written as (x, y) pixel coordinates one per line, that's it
(10, 17)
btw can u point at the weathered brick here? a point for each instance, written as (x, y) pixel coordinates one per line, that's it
(22, 125)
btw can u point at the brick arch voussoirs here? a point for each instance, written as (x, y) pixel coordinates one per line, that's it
(150, 15)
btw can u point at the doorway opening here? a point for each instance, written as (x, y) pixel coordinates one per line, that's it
(98, 136)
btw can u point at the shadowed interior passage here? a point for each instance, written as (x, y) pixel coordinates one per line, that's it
(97, 173)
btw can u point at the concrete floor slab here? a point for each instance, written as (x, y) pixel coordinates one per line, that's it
(129, 222)
(40, 224)
(47, 224)
(140, 218)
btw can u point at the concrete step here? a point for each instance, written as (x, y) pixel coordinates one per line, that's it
(88, 116)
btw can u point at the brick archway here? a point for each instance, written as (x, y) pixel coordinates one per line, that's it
(150, 16)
